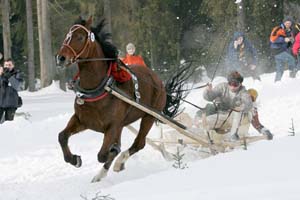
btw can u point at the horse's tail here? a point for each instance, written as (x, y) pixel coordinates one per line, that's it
(176, 90)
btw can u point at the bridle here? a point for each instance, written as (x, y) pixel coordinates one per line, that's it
(90, 39)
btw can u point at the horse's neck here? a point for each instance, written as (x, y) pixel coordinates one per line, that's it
(92, 72)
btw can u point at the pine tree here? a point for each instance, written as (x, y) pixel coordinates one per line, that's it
(178, 160)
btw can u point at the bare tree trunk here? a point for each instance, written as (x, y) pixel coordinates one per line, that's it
(46, 57)
(6, 29)
(178, 46)
(107, 14)
(43, 73)
(30, 47)
(241, 16)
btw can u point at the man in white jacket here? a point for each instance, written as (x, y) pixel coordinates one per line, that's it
(231, 108)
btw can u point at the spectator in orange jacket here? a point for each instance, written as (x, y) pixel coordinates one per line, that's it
(281, 40)
(131, 59)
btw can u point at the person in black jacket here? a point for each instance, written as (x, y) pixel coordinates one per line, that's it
(10, 82)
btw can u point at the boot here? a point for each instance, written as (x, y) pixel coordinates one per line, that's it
(293, 73)
(2, 118)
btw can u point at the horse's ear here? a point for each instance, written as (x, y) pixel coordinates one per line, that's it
(79, 20)
(89, 22)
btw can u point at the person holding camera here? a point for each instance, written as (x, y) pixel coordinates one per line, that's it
(10, 82)
(242, 56)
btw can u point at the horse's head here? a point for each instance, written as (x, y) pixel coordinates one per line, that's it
(76, 43)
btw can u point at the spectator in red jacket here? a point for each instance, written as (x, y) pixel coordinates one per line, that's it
(131, 59)
(296, 46)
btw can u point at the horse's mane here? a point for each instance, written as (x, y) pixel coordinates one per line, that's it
(103, 37)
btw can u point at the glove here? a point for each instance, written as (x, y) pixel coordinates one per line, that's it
(71, 85)
(267, 133)
(235, 137)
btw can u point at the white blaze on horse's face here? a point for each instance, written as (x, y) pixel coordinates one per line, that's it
(76, 43)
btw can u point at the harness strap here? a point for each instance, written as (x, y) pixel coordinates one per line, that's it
(217, 115)
(134, 80)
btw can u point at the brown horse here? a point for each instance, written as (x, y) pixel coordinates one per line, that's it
(97, 110)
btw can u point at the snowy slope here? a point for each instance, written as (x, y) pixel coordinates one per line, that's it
(32, 165)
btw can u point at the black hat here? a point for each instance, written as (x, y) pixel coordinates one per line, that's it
(235, 76)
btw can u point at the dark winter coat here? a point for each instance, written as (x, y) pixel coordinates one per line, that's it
(277, 42)
(10, 82)
(241, 57)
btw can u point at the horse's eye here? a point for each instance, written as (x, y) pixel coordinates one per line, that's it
(80, 38)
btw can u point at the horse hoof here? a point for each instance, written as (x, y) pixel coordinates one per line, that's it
(119, 167)
(100, 175)
(76, 161)
(102, 158)
(96, 179)
(115, 149)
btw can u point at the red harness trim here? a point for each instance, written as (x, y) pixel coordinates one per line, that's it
(96, 98)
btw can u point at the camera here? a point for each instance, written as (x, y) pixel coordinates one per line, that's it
(5, 70)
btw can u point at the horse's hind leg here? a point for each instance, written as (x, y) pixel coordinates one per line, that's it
(72, 128)
(138, 144)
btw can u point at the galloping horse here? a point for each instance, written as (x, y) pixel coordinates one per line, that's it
(100, 111)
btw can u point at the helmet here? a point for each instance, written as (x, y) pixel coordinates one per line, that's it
(235, 76)
(253, 93)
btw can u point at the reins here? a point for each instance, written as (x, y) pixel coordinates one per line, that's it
(93, 59)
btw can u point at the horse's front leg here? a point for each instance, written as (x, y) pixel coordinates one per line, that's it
(72, 128)
(109, 150)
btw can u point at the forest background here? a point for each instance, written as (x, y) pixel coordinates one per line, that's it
(165, 32)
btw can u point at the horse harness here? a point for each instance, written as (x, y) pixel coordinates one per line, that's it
(92, 95)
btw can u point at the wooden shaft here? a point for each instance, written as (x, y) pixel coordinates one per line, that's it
(157, 115)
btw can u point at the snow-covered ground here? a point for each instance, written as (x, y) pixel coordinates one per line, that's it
(32, 165)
